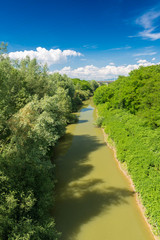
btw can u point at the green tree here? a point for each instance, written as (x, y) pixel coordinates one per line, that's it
(94, 85)
(103, 94)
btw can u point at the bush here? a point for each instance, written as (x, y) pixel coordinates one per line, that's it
(99, 121)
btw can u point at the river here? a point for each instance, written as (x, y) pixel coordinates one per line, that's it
(94, 200)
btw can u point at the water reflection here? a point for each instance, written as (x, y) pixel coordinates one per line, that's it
(86, 109)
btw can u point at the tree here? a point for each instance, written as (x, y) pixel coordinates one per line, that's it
(94, 85)
(103, 94)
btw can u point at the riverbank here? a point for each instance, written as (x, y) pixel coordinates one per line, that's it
(136, 148)
(124, 170)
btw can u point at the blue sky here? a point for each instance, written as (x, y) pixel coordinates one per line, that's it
(82, 38)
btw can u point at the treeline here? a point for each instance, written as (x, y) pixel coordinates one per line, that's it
(129, 110)
(35, 108)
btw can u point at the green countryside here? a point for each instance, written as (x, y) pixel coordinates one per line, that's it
(58, 178)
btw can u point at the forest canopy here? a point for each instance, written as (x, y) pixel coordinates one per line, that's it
(139, 94)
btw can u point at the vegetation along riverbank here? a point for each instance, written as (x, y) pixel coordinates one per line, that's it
(129, 111)
(35, 108)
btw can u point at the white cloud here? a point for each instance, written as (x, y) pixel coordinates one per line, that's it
(120, 48)
(149, 34)
(144, 63)
(100, 73)
(147, 21)
(89, 46)
(43, 55)
(144, 54)
(153, 59)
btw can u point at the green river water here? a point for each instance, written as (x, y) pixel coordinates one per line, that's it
(94, 200)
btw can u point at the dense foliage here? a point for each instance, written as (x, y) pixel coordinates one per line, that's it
(131, 117)
(35, 107)
(84, 89)
(139, 94)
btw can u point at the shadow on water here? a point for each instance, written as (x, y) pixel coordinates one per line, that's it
(79, 200)
(62, 146)
(82, 121)
(74, 211)
(73, 165)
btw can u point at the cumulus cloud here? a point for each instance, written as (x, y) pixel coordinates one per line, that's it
(102, 73)
(148, 22)
(145, 63)
(43, 55)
